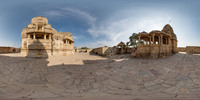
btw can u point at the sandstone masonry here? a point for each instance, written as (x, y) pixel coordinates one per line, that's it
(39, 39)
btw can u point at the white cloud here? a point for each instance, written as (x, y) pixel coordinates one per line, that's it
(115, 30)
(71, 12)
(53, 13)
(78, 13)
(122, 24)
(76, 37)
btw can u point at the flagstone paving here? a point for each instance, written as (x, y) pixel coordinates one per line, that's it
(83, 75)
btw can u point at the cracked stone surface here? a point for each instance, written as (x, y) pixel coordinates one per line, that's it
(83, 75)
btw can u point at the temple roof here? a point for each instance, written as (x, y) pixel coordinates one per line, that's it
(143, 33)
(66, 35)
(121, 44)
(39, 19)
(168, 29)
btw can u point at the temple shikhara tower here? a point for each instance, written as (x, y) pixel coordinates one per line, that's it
(39, 39)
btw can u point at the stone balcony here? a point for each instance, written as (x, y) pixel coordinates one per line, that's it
(67, 37)
(44, 31)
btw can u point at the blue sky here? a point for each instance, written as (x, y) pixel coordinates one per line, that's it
(95, 23)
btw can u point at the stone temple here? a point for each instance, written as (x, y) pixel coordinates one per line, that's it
(39, 39)
(157, 44)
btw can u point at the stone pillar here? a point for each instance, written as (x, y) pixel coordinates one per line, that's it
(153, 38)
(158, 39)
(33, 35)
(29, 36)
(45, 36)
(49, 36)
(169, 41)
(161, 47)
(166, 40)
(172, 45)
(149, 40)
(139, 40)
(161, 40)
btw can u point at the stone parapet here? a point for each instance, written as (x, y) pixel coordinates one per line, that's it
(193, 49)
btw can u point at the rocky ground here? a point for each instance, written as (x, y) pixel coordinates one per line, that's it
(87, 77)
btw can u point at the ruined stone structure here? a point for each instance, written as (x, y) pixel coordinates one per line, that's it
(110, 51)
(75, 49)
(157, 43)
(100, 50)
(121, 48)
(39, 39)
(105, 51)
(84, 50)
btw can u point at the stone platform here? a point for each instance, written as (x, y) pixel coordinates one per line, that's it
(87, 77)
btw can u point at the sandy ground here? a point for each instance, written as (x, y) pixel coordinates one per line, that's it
(87, 77)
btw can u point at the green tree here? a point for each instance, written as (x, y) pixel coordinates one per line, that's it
(133, 40)
(127, 44)
(142, 42)
(84, 48)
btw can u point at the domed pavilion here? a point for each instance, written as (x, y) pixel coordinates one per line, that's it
(157, 43)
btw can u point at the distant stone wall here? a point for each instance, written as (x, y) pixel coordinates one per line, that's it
(9, 50)
(84, 50)
(181, 49)
(190, 49)
(105, 51)
(193, 49)
(109, 51)
(99, 51)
